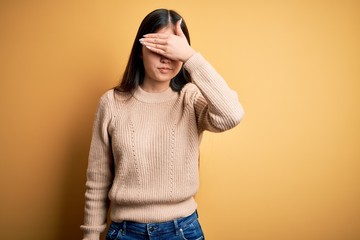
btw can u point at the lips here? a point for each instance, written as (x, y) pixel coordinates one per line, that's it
(164, 69)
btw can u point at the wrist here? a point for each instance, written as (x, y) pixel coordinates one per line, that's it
(189, 54)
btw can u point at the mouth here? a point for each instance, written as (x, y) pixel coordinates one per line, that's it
(164, 69)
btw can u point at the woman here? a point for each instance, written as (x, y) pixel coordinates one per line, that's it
(143, 158)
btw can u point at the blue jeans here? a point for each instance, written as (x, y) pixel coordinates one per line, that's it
(187, 228)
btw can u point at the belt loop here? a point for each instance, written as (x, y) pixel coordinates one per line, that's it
(124, 228)
(176, 225)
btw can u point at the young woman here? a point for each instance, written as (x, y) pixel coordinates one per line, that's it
(144, 154)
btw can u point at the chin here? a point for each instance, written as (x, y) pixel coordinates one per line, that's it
(165, 79)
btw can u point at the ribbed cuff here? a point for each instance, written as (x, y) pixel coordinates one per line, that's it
(91, 236)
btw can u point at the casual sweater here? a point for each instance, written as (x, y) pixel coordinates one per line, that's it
(144, 151)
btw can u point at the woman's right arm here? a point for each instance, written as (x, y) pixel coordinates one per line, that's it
(99, 174)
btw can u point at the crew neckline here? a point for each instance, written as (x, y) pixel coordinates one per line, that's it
(154, 97)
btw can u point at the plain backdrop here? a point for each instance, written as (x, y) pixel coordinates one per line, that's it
(289, 171)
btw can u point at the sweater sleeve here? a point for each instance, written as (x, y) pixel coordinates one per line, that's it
(99, 175)
(216, 105)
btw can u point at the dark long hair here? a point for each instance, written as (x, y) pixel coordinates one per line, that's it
(134, 72)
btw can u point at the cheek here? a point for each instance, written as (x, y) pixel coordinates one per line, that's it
(177, 66)
(148, 64)
(149, 58)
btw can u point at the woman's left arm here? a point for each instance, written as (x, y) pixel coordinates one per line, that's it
(217, 106)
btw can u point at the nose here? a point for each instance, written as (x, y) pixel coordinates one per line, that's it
(164, 60)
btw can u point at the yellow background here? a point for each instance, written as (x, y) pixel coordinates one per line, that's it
(289, 171)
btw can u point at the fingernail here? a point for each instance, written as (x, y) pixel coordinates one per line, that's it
(141, 40)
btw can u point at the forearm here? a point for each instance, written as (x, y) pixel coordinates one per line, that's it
(222, 106)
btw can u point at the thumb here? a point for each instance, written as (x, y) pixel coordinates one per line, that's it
(179, 31)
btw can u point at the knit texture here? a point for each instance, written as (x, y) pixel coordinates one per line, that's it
(145, 148)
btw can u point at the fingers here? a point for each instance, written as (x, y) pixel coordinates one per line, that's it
(153, 40)
(171, 44)
(154, 45)
(178, 30)
(156, 35)
(156, 50)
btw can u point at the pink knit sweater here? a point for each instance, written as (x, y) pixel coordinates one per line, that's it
(145, 148)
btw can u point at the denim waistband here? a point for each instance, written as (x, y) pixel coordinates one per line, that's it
(156, 228)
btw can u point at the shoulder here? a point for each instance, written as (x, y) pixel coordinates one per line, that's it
(112, 96)
(104, 105)
(190, 92)
(111, 102)
(189, 88)
(106, 96)
(106, 99)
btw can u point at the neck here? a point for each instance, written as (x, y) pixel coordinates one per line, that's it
(155, 87)
(154, 97)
